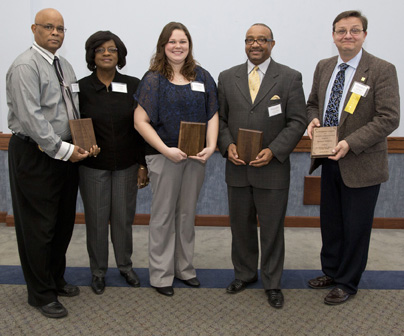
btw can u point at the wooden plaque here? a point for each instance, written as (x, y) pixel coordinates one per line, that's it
(249, 144)
(192, 137)
(324, 141)
(83, 133)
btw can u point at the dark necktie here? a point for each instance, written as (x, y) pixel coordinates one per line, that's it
(331, 114)
(67, 94)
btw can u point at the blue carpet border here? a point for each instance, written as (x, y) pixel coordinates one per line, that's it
(210, 278)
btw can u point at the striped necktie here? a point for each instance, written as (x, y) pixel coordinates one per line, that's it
(331, 113)
(254, 83)
(66, 92)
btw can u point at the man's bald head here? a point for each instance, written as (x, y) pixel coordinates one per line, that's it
(48, 29)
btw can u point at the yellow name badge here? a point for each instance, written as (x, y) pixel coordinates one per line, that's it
(353, 101)
(358, 90)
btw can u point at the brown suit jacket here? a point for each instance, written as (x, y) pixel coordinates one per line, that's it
(281, 132)
(366, 130)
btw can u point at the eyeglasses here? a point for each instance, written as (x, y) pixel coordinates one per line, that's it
(111, 50)
(260, 41)
(51, 28)
(353, 31)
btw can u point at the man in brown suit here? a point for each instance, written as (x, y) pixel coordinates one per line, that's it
(350, 180)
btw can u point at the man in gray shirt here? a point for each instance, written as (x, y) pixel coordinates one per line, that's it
(43, 176)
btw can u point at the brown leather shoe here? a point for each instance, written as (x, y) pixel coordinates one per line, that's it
(337, 296)
(323, 281)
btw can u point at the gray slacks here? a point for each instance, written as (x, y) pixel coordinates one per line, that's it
(109, 196)
(245, 204)
(175, 188)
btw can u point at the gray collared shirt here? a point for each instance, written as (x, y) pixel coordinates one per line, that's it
(35, 101)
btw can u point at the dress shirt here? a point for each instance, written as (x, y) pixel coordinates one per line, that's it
(112, 116)
(35, 101)
(349, 73)
(262, 68)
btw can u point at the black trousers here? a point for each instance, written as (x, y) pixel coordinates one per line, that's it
(346, 216)
(44, 193)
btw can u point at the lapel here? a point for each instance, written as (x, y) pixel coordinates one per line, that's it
(269, 81)
(361, 72)
(267, 84)
(242, 82)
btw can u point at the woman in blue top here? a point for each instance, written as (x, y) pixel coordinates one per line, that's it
(175, 89)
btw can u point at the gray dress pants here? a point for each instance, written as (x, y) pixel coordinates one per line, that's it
(175, 188)
(109, 196)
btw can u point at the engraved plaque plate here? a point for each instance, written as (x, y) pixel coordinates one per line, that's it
(83, 133)
(324, 141)
(192, 137)
(249, 144)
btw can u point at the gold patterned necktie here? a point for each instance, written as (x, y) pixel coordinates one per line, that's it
(254, 83)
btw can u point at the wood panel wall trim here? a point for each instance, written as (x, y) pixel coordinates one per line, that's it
(312, 190)
(3, 216)
(4, 140)
(223, 221)
(395, 144)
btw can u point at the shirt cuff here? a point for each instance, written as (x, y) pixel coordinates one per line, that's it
(65, 151)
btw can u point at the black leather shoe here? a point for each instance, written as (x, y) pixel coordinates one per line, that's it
(53, 310)
(131, 278)
(98, 285)
(238, 285)
(167, 291)
(337, 296)
(194, 282)
(275, 298)
(69, 290)
(320, 282)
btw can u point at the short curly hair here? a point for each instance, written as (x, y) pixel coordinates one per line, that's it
(99, 38)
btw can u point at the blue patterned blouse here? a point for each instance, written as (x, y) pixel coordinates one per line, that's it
(168, 104)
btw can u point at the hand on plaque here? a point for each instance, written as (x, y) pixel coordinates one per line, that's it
(314, 123)
(94, 151)
(204, 155)
(175, 154)
(340, 150)
(263, 158)
(232, 155)
(78, 154)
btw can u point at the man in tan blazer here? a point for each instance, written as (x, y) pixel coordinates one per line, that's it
(350, 180)
(260, 187)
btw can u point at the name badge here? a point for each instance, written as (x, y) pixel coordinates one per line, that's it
(119, 87)
(75, 87)
(197, 86)
(360, 89)
(274, 110)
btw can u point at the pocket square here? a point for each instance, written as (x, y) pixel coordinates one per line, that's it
(275, 97)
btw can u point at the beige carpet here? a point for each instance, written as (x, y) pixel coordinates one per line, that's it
(141, 311)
